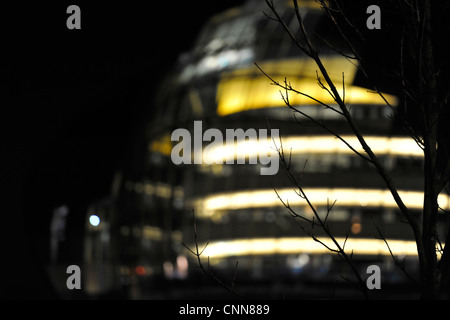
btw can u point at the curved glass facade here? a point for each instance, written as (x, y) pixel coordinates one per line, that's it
(238, 212)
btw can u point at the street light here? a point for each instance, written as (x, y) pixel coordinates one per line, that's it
(94, 220)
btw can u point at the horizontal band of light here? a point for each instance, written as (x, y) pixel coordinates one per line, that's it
(248, 88)
(346, 197)
(300, 67)
(394, 146)
(297, 245)
(162, 145)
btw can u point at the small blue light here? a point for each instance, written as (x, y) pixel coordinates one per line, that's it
(94, 220)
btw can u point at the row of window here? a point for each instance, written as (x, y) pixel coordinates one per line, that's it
(318, 163)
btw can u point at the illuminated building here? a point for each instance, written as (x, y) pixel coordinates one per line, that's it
(238, 212)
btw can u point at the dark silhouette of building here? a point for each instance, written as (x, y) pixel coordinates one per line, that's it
(137, 245)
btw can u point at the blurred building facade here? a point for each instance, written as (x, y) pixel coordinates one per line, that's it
(137, 248)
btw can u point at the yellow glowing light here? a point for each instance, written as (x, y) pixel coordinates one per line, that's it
(297, 245)
(394, 146)
(162, 145)
(301, 67)
(346, 197)
(247, 89)
(311, 4)
(237, 150)
(356, 228)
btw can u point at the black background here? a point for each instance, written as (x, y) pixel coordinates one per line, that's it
(72, 103)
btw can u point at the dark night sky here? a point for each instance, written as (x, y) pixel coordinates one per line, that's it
(71, 108)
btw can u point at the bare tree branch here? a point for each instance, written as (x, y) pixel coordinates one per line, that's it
(318, 222)
(287, 88)
(400, 265)
(309, 50)
(208, 270)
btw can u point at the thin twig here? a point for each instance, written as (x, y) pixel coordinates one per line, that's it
(317, 221)
(400, 265)
(208, 271)
(310, 51)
